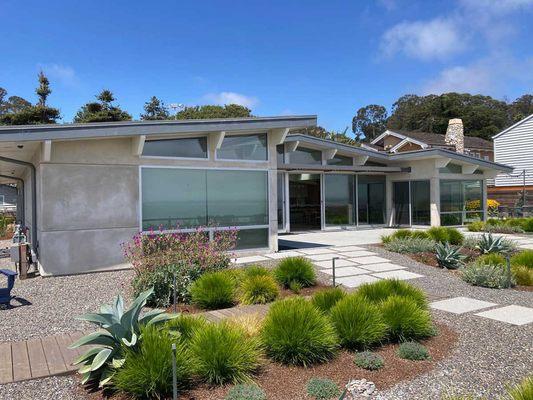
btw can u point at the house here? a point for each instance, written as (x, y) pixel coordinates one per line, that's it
(395, 141)
(514, 147)
(90, 187)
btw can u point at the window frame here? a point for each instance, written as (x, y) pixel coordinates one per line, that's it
(176, 157)
(217, 158)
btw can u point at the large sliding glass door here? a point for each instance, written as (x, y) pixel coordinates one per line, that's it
(411, 203)
(402, 204)
(460, 201)
(339, 199)
(370, 199)
(281, 202)
(305, 202)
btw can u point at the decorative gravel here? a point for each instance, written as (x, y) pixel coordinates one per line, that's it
(56, 387)
(490, 354)
(48, 306)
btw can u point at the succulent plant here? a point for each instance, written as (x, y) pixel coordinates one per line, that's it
(448, 256)
(490, 244)
(119, 327)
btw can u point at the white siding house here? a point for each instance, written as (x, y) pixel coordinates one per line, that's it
(514, 147)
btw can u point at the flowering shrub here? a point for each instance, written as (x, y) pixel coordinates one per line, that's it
(156, 257)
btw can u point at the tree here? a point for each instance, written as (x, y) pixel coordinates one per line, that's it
(322, 133)
(369, 121)
(521, 108)
(155, 110)
(102, 111)
(214, 111)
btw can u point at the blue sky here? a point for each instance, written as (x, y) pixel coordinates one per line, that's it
(278, 57)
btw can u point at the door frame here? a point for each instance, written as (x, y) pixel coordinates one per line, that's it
(287, 199)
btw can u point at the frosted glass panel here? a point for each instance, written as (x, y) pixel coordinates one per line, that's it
(244, 147)
(252, 239)
(339, 199)
(187, 147)
(305, 156)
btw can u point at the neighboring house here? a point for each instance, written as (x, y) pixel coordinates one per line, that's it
(8, 197)
(514, 147)
(91, 187)
(396, 141)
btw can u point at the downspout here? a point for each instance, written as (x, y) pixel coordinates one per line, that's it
(34, 243)
(21, 197)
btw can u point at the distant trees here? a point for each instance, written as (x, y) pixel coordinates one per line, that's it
(214, 111)
(155, 109)
(369, 122)
(322, 133)
(102, 111)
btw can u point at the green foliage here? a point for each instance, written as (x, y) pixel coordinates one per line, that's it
(525, 258)
(405, 320)
(527, 225)
(487, 275)
(413, 351)
(369, 360)
(522, 391)
(101, 111)
(147, 371)
(258, 289)
(155, 109)
(322, 389)
(325, 299)
(492, 259)
(410, 245)
(358, 322)
(246, 392)
(296, 287)
(448, 256)
(185, 325)
(477, 226)
(380, 291)
(213, 290)
(322, 133)
(256, 270)
(223, 353)
(369, 122)
(295, 332)
(295, 269)
(443, 234)
(522, 275)
(489, 244)
(214, 112)
(121, 329)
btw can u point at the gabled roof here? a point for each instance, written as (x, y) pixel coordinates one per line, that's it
(434, 139)
(513, 126)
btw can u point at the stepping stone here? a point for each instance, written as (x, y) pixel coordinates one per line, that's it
(381, 267)
(317, 250)
(369, 260)
(283, 254)
(355, 281)
(461, 305)
(338, 263)
(349, 248)
(359, 253)
(324, 257)
(400, 274)
(250, 259)
(527, 246)
(346, 271)
(515, 315)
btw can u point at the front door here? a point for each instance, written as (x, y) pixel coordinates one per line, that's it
(401, 199)
(304, 202)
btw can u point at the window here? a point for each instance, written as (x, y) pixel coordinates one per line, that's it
(244, 147)
(339, 198)
(2, 199)
(280, 154)
(420, 203)
(184, 147)
(460, 201)
(451, 169)
(305, 156)
(341, 160)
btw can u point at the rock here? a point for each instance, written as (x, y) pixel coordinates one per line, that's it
(358, 389)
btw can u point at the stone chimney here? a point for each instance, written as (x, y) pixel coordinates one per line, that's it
(455, 135)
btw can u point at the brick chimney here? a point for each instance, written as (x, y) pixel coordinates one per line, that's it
(455, 135)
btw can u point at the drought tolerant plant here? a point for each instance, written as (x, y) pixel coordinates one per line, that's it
(492, 258)
(322, 389)
(405, 320)
(369, 360)
(325, 299)
(522, 391)
(477, 226)
(295, 332)
(410, 245)
(487, 275)
(256, 270)
(523, 275)
(489, 244)
(381, 290)
(448, 256)
(185, 325)
(404, 234)
(121, 328)
(443, 234)
(258, 289)
(295, 269)
(213, 290)
(413, 351)
(246, 392)
(147, 371)
(358, 322)
(223, 353)
(251, 324)
(523, 258)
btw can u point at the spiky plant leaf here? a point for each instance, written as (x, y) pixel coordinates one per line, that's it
(99, 319)
(87, 356)
(96, 338)
(100, 359)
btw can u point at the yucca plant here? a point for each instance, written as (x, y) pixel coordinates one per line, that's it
(448, 256)
(119, 327)
(490, 244)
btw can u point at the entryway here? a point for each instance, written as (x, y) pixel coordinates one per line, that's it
(304, 202)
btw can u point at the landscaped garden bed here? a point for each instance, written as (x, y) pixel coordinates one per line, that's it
(508, 225)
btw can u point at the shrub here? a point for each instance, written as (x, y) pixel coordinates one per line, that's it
(527, 225)
(503, 229)
(410, 245)
(413, 351)
(325, 299)
(487, 275)
(477, 226)
(448, 256)
(443, 234)
(185, 325)
(522, 275)
(369, 360)
(471, 242)
(296, 287)
(455, 237)
(251, 324)
(381, 290)
(246, 392)
(358, 322)
(523, 258)
(420, 235)
(256, 270)
(223, 354)
(491, 258)
(490, 244)
(295, 269)
(522, 391)
(405, 320)
(322, 389)
(258, 289)
(295, 332)
(404, 234)
(213, 290)
(147, 371)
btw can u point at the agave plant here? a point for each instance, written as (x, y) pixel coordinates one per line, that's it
(120, 327)
(490, 244)
(448, 256)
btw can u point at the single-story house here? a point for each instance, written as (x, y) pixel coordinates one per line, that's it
(90, 187)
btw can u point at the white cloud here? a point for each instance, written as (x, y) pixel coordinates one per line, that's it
(61, 73)
(388, 4)
(426, 40)
(497, 6)
(231, 98)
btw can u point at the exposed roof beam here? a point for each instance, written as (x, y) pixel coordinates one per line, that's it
(292, 146)
(216, 139)
(46, 150)
(329, 153)
(137, 145)
(277, 136)
(442, 162)
(360, 160)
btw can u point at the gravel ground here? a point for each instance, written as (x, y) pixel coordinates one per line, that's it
(47, 306)
(56, 387)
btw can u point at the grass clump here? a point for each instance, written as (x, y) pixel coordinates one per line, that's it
(325, 299)
(147, 370)
(405, 320)
(413, 351)
(295, 270)
(523, 275)
(522, 391)
(246, 392)
(523, 258)
(250, 324)
(381, 290)
(358, 322)
(258, 289)
(410, 245)
(185, 325)
(256, 270)
(492, 259)
(322, 389)
(487, 275)
(295, 332)
(442, 234)
(223, 353)
(213, 290)
(369, 360)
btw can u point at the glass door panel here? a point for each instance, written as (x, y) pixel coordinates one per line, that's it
(339, 200)
(281, 201)
(401, 203)
(371, 199)
(304, 202)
